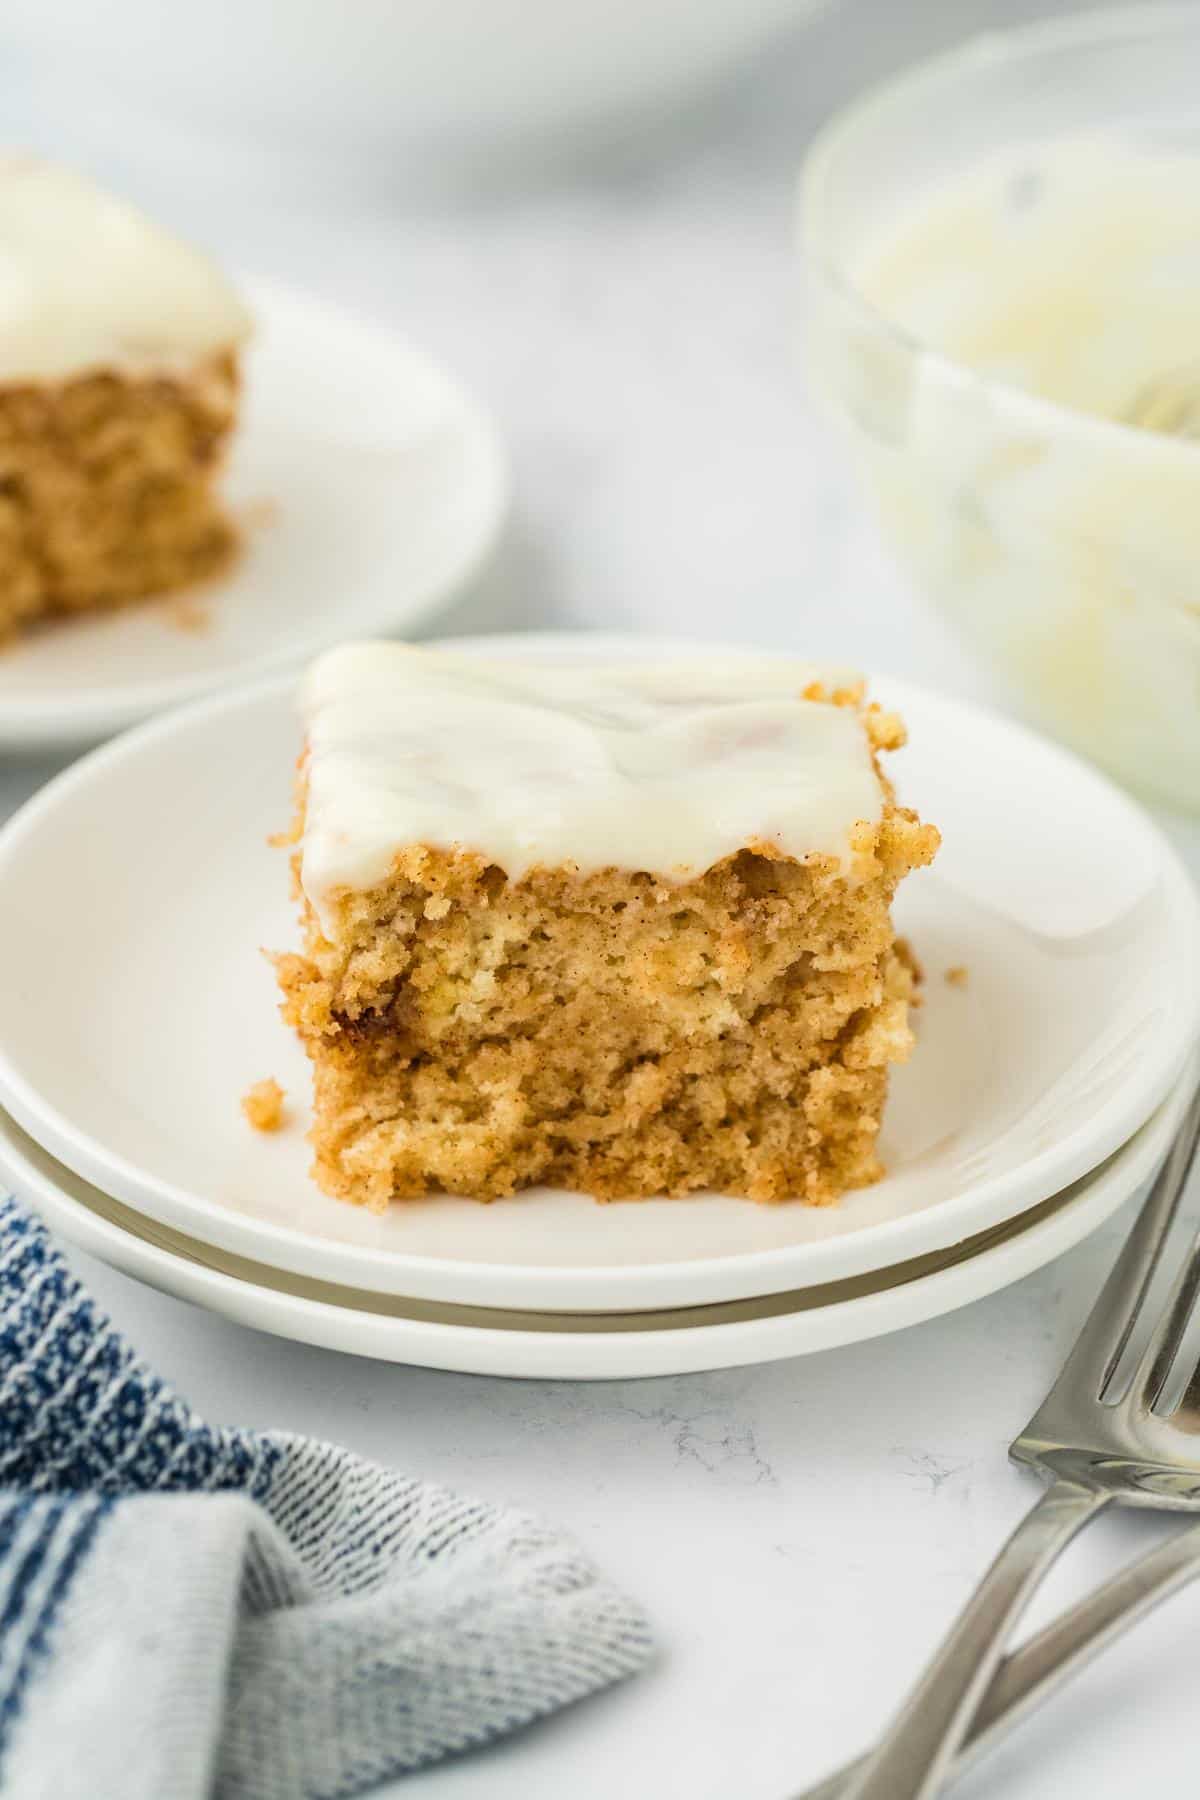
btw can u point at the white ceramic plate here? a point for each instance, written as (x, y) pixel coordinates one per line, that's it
(138, 887)
(576, 1347)
(371, 487)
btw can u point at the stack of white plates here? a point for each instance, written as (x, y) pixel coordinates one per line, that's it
(138, 890)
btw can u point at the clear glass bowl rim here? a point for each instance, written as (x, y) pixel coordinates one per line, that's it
(915, 88)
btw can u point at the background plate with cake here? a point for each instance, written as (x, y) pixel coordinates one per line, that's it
(201, 480)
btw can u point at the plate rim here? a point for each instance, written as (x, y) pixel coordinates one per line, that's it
(40, 723)
(632, 1354)
(739, 1275)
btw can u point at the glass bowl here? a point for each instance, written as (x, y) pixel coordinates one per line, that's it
(1063, 546)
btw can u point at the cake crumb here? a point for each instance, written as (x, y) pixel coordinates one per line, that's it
(258, 515)
(190, 615)
(885, 729)
(911, 960)
(263, 1105)
(957, 976)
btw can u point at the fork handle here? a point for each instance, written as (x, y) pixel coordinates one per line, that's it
(1028, 1676)
(915, 1754)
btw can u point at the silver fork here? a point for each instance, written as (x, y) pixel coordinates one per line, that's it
(1101, 1442)
(1028, 1676)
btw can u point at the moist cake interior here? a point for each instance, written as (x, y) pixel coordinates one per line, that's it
(119, 387)
(622, 1031)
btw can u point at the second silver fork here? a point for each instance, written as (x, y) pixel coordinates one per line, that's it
(1101, 1443)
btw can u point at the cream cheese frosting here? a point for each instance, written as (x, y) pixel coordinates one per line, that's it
(661, 766)
(89, 283)
(1068, 267)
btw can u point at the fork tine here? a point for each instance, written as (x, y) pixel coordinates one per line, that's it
(1155, 1365)
(1158, 1359)
(1187, 1414)
(1094, 1359)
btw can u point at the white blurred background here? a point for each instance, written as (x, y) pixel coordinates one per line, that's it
(587, 211)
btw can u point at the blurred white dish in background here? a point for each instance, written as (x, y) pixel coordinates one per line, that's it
(444, 74)
(1004, 259)
(371, 487)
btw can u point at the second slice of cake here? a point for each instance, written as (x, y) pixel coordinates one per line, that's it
(119, 384)
(624, 929)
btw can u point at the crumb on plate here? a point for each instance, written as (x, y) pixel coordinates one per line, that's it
(258, 515)
(190, 615)
(263, 1105)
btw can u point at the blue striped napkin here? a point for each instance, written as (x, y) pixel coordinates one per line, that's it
(190, 1610)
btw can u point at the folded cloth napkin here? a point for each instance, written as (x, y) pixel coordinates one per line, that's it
(188, 1610)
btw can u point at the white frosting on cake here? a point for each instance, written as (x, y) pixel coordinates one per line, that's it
(662, 766)
(89, 283)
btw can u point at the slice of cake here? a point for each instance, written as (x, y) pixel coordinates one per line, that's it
(118, 392)
(621, 929)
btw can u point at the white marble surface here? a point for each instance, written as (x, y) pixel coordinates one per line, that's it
(800, 1533)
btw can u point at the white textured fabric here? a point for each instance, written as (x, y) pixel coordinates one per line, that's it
(187, 1610)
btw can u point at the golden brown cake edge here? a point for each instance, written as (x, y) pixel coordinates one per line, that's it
(108, 488)
(730, 1074)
